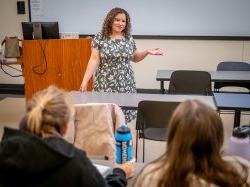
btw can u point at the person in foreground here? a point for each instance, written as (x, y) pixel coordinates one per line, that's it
(112, 50)
(39, 156)
(193, 157)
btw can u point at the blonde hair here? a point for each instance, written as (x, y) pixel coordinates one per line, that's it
(107, 24)
(49, 111)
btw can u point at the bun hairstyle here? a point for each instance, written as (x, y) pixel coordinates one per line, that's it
(48, 112)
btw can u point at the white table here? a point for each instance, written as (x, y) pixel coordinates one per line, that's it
(131, 100)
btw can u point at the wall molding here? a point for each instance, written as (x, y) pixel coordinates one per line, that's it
(17, 89)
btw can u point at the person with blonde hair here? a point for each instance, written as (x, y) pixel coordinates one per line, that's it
(38, 155)
(193, 156)
(112, 50)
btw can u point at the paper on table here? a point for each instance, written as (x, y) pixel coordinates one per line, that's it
(104, 170)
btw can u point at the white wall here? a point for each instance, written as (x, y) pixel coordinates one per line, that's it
(187, 54)
(178, 54)
(10, 25)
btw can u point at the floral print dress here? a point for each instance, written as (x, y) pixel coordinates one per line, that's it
(115, 73)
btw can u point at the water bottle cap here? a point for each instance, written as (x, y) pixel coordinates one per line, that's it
(241, 132)
(123, 129)
(246, 126)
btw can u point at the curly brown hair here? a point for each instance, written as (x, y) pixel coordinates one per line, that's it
(107, 24)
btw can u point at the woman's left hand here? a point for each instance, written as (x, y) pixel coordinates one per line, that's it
(154, 51)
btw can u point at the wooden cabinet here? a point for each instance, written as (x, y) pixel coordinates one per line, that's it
(60, 62)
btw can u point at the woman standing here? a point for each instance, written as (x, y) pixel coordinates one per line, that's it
(112, 50)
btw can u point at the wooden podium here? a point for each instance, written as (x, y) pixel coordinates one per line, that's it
(60, 62)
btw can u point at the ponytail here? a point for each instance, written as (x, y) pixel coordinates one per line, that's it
(48, 112)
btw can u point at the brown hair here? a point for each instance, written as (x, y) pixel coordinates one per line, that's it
(107, 24)
(195, 138)
(48, 112)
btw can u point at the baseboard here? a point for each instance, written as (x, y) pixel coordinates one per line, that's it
(148, 91)
(17, 89)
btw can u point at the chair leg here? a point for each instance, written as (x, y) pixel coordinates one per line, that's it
(237, 118)
(143, 151)
(136, 145)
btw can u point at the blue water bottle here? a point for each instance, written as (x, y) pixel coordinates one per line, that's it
(123, 139)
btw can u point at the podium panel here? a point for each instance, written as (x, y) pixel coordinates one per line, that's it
(60, 62)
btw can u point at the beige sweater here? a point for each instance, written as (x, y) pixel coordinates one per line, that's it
(95, 125)
(152, 177)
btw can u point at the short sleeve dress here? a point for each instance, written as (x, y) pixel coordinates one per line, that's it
(115, 73)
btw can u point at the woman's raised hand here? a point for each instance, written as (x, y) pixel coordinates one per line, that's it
(154, 51)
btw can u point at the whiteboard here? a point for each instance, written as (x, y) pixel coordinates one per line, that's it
(150, 17)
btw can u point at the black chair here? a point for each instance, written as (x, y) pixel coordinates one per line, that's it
(232, 66)
(152, 121)
(190, 82)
